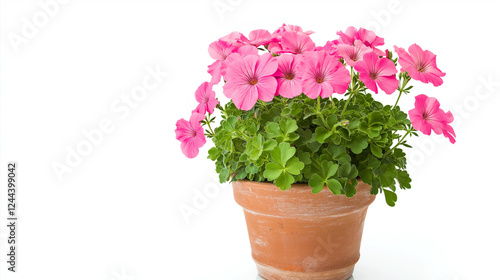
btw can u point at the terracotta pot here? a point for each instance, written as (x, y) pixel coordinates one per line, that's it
(296, 234)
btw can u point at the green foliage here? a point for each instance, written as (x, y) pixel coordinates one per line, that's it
(326, 143)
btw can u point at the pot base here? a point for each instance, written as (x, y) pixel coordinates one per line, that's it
(271, 273)
(260, 277)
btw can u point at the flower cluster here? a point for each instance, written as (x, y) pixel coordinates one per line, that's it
(269, 75)
(293, 65)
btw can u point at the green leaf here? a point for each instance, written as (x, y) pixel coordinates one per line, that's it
(294, 166)
(305, 157)
(344, 170)
(252, 129)
(334, 186)
(387, 174)
(241, 175)
(390, 197)
(288, 125)
(269, 144)
(316, 183)
(329, 169)
(353, 124)
(273, 130)
(321, 134)
(284, 181)
(214, 153)
(224, 175)
(358, 144)
(250, 169)
(375, 118)
(229, 124)
(350, 188)
(404, 179)
(255, 154)
(282, 153)
(331, 120)
(313, 146)
(273, 171)
(366, 175)
(354, 172)
(338, 153)
(376, 150)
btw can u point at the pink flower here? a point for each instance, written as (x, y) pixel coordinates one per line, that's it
(296, 43)
(353, 53)
(368, 37)
(251, 78)
(329, 47)
(233, 37)
(218, 50)
(259, 37)
(242, 52)
(377, 71)
(291, 28)
(275, 45)
(427, 115)
(206, 98)
(288, 76)
(323, 75)
(420, 65)
(191, 135)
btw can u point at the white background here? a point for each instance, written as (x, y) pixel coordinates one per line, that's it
(116, 215)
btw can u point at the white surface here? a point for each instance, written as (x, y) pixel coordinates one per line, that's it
(116, 215)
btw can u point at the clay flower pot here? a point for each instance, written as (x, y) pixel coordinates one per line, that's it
(296, 234)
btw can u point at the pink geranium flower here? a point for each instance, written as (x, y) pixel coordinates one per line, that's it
(427, 116)
(296, 43)
(233, 37)
(329, 47)
(191, 135)
(275, 45)
(323, 74)
(353, 53)
(218, 50)
(242, 52)
(206, 98)
(259, 37)
(288, 76)
(375, 71)
(368, 37)
(420, 64)
(291, 28)
(251, 78)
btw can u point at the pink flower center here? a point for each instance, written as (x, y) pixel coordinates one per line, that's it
(192, 133)
(426, 116)
(319, 80)
(253, 81)
(289, 76)
(373, 75)
(422, 66)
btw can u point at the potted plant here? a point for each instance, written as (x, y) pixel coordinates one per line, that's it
(304, 142)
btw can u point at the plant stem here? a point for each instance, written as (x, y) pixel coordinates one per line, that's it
(321, 115)
(397, 100)
(345, 106)
(208, 123)
(401, 89)
(352, 91)
(400, 141)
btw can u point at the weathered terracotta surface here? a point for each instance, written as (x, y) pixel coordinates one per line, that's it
(296, 234)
